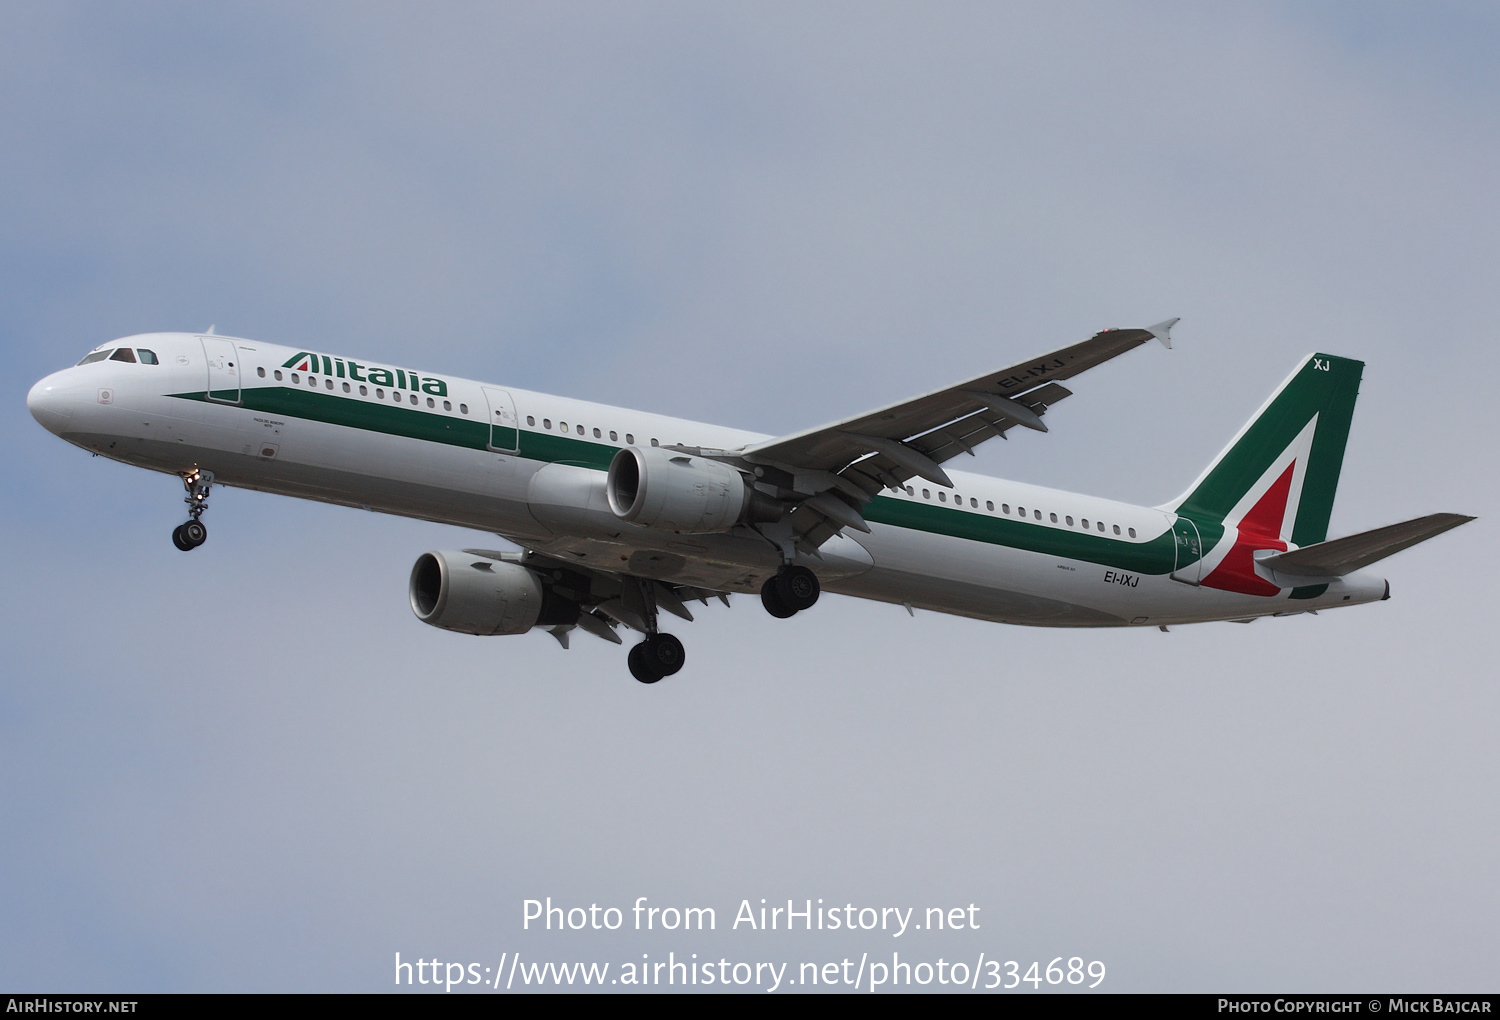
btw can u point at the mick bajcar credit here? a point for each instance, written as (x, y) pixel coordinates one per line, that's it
(1359, 1004)
(912, 960)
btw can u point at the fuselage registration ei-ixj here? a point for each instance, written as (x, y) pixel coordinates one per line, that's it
(620, 516)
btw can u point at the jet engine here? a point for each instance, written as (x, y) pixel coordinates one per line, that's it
(658, 488)
(474, 595)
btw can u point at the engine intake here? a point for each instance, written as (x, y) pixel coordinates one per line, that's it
(474, 595)
(657, 488)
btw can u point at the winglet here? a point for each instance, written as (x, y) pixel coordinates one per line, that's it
(1163, 331)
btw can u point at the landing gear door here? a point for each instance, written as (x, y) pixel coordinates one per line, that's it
(1189, 545)
(505, 432)
(223, 370)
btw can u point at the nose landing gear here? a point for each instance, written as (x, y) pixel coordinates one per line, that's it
(190, 535)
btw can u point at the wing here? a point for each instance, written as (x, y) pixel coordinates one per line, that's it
(836, 468)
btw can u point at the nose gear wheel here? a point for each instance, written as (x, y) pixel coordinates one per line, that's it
(191, 534)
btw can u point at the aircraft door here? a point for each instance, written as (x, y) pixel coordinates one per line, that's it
(223, 369)
(1189, 546)
(505, 432)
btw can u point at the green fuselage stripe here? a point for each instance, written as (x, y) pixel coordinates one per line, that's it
(566, 450)
(352, 412)
(1156, 556)
(1152, 557)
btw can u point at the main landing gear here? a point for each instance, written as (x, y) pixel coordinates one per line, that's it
(658, 656)
(789, 592)
(190, 535)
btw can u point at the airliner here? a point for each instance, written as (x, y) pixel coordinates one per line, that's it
(618, 516)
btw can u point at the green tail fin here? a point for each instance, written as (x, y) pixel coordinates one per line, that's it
(1284, 465)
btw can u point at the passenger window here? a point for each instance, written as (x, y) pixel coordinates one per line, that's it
(296, 379)
(614, 437)
(655, 443)
(942, 497)
(346, 387)
(1069, 520)
(149, 358)
(989, 504)
(562, 426)
(598, 434)
(974, 503)
(1005, 508)
(431, 402)
(546, 423)
(89, 359)
(1117, 529)
(630, 439)
(413, 400)
(379, 393)
(1038, 514)
(1020, 511)
(463, 408)
(1101, 525)
(1085, 523)
(277, 373)
(1132, 532)
(448, 406)
(260, 372)
(530, 419)
(580, 430)
(1054, 518)
(328, 384)
(364, 391)
(123, 354)
(926, 493)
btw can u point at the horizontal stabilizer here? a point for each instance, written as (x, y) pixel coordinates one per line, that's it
(1346, 555)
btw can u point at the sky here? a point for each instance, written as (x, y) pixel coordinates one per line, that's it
(252, 769)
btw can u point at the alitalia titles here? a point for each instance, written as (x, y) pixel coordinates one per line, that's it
(339, 368)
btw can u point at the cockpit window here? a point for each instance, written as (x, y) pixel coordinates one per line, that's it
(123, 354)
(96, 356)
(147, 357)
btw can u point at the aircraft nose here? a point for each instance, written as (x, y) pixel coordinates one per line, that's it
(50, 403)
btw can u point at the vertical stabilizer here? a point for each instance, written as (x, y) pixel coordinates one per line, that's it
(1278, 476)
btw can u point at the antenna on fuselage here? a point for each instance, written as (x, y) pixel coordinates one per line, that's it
(210, 330)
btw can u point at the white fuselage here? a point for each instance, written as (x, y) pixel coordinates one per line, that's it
(425, 448)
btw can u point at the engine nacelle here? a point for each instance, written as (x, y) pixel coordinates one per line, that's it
(474, 595)
(657, 488)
